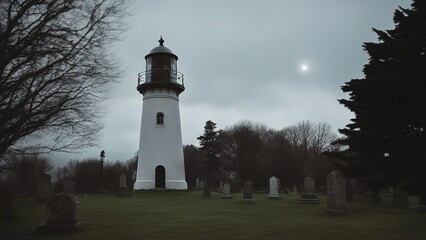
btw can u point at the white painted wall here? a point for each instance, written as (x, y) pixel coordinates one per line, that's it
(160, 144)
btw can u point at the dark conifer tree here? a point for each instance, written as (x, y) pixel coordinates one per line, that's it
(386, 141)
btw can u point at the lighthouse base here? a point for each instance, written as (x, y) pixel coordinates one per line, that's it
(170, 184)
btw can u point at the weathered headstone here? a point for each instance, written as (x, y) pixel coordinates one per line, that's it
(373, 196)
(44, 188)
(295, 189)
(123, 189)
(400, 199)
(69, 187)
(221, 186)
(206, 190)
(279, 185)
(197, 183)
(336, 193)
(309, 196)
(273, 188)
(61, 215)
(248, 192)
(226, 193)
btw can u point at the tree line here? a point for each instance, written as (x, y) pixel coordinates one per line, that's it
(252, 151)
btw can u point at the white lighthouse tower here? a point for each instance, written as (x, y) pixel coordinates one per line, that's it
(160, 162)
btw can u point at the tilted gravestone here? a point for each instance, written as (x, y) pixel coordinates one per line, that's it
(248, 192)
(336, 193)
(309, 196)
(123, 189)
(226, 193)
(61, 215)
(273, 188)
(69, 187)
(44, 188)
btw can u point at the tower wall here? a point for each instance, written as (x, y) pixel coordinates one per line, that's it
(160, 144)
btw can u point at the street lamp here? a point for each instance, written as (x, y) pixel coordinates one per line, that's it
(102, 166)
(101, 188)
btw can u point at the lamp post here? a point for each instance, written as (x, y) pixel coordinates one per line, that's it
(102, 157)
(101, 188)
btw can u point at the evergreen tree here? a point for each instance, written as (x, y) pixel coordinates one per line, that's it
(209, 143)
(386, 140)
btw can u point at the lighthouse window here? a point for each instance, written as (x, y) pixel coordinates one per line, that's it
(160, 118)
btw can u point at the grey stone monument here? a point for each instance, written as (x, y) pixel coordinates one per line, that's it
(44, 188)
(61, 215)
(226, 193)
(248, 192)
(295, 189)
(221, 186)
(336, 193)
(123, 189)
(309, 196)
(69, 187)
(273, 188)
(197, 183)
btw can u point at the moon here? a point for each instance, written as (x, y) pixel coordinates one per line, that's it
(304, 67)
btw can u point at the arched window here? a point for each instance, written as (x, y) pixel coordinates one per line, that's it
(160, 118)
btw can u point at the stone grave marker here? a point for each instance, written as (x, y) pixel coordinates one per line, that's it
(226, 193)
(69, 187)
(123, 189)
(248, 192)
(61, 215)
(273, 188)
(309, 196)
(44, 188)
(336, 193)
(197, 183)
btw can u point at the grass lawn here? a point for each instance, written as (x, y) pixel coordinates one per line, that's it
(186, 215)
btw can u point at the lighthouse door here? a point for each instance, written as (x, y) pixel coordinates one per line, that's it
(160, 177)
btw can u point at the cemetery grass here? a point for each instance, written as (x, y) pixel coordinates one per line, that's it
(186, 215)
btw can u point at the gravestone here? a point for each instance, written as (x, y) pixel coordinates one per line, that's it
(226, 193)
(206, 189)
(248, 192)
(221, 186)
(197, 183)
(69, 187)
(336, 193)
(273, 188)
(400, 199)
(279, 185)
(44, 188)
(123, 189)
(373, 196)
(61, 215)
(295, 189)
(309, 196)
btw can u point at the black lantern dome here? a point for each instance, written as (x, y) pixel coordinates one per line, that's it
(161, 70)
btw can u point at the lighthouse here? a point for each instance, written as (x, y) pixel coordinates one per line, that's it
(160, 156)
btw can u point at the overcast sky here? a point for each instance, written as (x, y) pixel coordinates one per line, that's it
(242, 60)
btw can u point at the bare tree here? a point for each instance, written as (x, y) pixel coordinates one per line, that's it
(55, 69)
